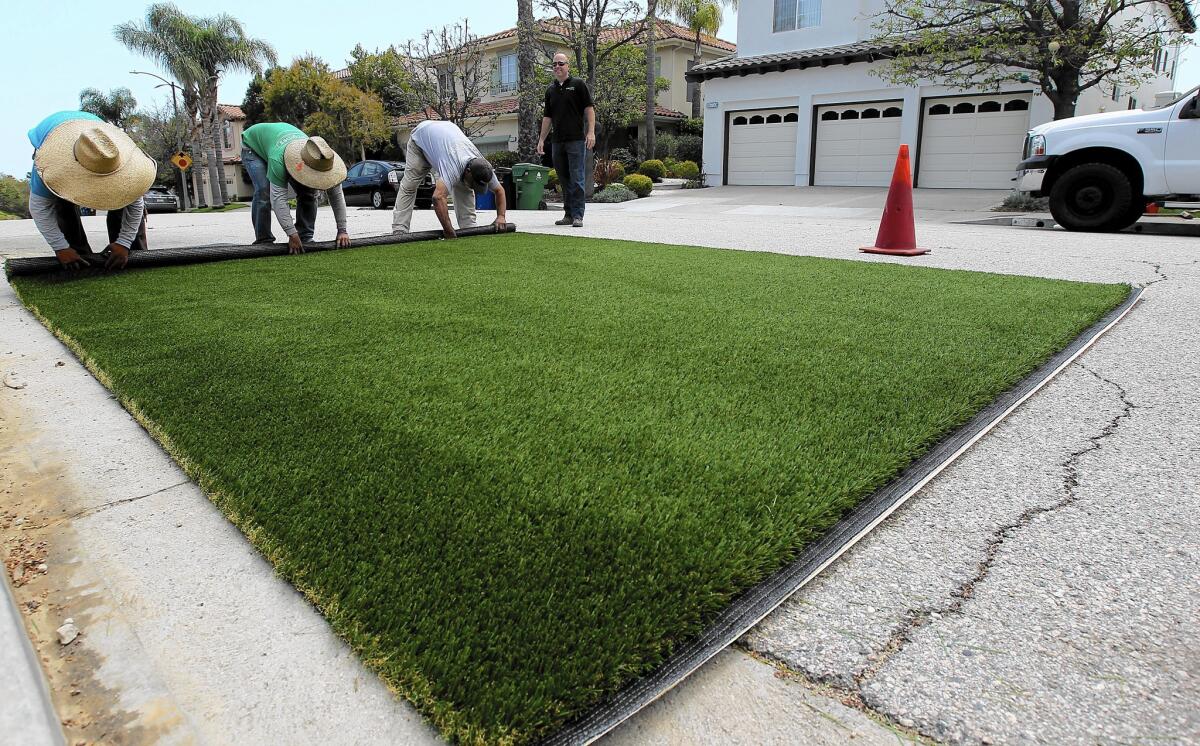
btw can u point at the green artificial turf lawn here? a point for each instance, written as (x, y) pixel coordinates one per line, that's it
(515, 472)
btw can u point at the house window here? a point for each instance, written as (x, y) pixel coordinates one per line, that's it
(658, 65)
(445, 81)
(508, 73)
(1133, 104)
(795, 14)
(227, 133)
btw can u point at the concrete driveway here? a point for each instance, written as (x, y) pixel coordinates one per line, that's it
(1043, 590)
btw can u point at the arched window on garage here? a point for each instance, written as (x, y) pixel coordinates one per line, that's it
(793, 117)
(938, 109)
(739, 120)
(964, 108)
(988, 107)
(756, 119)
(870, 114)
(1016, 105)
(829, 116)
(774, 119)
(850, 114)
(891, 111)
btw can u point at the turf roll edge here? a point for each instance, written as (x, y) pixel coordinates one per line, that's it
(48, 265)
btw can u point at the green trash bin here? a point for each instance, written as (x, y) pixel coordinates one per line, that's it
(531, 181)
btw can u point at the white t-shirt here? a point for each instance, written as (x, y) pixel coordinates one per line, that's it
(448, 150)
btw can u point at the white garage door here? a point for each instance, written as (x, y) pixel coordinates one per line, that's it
(762, 147)
(857, 143)
(972, 142)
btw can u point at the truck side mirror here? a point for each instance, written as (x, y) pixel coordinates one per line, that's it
(1189, 110)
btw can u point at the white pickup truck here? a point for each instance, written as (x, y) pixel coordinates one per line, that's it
(1099, 171)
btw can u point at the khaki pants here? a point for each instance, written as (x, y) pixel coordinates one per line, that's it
(415, 168)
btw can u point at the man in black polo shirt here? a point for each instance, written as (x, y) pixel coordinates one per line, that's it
(568, 105)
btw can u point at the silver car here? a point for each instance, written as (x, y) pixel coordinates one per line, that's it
(161, 199)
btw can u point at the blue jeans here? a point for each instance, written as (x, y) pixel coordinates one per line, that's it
(260, 203)
(568, 162)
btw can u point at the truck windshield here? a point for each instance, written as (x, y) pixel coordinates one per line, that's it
(1175, 100)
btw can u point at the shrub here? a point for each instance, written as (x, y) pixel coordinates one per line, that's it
(1023, 202)
(654, 169)
(689, 148)
(614, 193)
(624, 157)
(669, 165)
(552, 180)
(503, 158)
(686, 170)
(691, 126)
(694, 184)
(608, 172)
(640, 183)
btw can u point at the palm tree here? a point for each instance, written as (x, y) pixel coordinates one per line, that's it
(701, 17)
(651, 77)
(115, 107)
(196, 51)
(528, 117)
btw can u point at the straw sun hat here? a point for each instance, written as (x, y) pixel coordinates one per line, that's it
(94, 164)
(313, 163)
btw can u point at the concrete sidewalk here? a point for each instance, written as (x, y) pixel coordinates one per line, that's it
(1043, 590)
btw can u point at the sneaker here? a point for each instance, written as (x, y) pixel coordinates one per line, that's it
(577, 223)
(566, 220)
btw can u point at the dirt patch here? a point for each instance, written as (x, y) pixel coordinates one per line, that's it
(40, 552)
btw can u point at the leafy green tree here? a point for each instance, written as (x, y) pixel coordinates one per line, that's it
(308, 95)
(253, 105)
(384, 73)
(14, 196)
(620, 92)
(118, 106)
(1064, 47)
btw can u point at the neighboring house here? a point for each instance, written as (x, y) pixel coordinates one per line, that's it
(674, 45)
(237, 183)
(798, 105)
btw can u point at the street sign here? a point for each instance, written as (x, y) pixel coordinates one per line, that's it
(182, 161)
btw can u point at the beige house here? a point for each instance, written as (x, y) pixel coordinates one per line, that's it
(237, 184)
(674, 44)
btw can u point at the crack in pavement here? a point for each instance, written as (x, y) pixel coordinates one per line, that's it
(99, 508)
(916, 618)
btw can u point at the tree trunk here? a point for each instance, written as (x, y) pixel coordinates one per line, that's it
(219, 144)
(696, 86)
(1065, 94)
(529, 120)
(210, 152)
(651, 77)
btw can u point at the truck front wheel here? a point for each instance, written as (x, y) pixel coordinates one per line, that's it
(1092, 197)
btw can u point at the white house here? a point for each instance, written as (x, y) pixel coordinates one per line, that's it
(797, 105)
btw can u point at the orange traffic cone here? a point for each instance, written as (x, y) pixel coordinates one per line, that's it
(897, 231)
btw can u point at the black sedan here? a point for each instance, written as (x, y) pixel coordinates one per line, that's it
(376, 183)
(161, 199)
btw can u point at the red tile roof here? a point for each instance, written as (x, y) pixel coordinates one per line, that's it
(507, 106)
(231, 111)
(664, 30)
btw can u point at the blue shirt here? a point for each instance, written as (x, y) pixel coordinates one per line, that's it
(37, 136)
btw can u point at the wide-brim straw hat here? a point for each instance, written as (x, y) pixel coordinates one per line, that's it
(94, 164)
(313, 163)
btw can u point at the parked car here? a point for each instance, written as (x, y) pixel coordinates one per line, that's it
(161, 199)
(1099, 171)
(376, 183)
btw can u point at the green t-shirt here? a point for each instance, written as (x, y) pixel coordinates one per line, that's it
(268, 141)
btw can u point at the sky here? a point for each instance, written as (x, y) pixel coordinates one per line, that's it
(55, 49)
